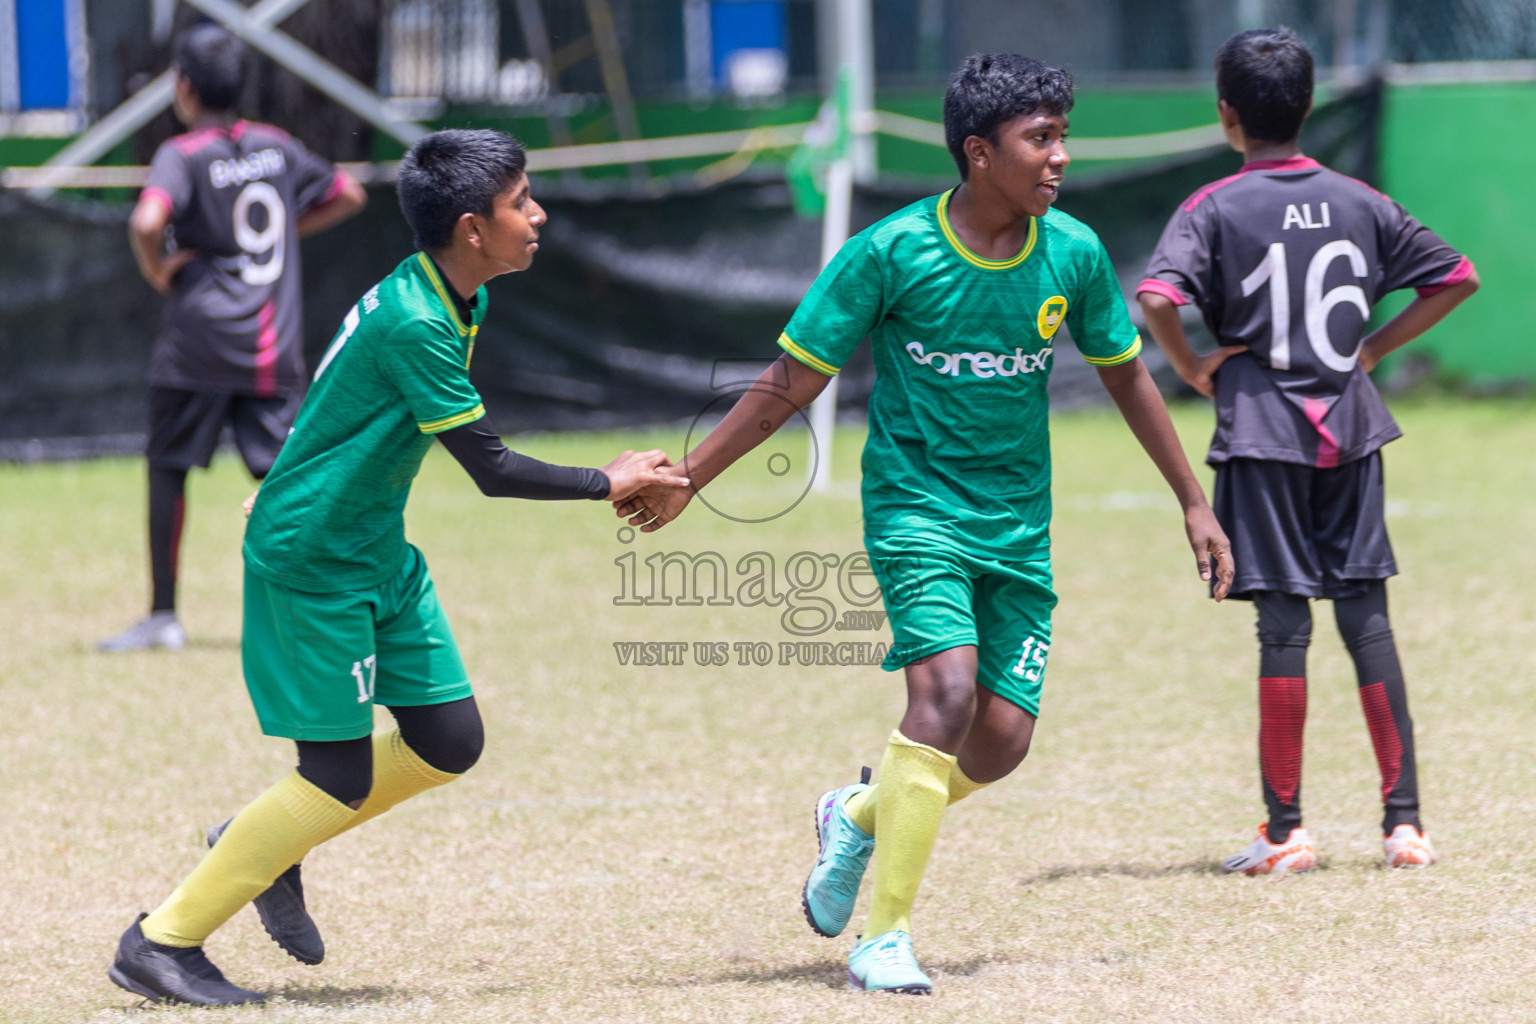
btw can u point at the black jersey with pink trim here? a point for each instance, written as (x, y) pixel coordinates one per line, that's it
(234, 193)
(1287, 258)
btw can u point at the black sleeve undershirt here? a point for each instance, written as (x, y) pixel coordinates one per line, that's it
(503, 473)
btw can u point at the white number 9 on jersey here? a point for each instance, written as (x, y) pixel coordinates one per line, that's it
(269, 239)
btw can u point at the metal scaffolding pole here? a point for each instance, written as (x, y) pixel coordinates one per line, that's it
(315, 70)
(137, 110)
(610, 58)
(536, 35)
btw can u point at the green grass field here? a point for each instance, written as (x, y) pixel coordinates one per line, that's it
(632, 845)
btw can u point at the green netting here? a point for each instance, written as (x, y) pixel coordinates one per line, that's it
(629, 306)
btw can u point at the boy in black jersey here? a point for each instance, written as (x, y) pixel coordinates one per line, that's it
(235, 197)
(1285, 260)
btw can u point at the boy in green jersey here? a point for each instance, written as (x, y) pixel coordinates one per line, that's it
(961, 295)
(340, 612)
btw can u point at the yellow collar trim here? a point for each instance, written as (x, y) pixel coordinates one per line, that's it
(978, 261)
(442, 292)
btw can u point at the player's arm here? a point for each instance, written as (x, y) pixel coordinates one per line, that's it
(1417, 317)
(1198, 371)
(429, 369)
(1132, 388)
(502, 473)
(844, 304)
(348, 198)
(146, 238)
(784, 389)
(1181, 271)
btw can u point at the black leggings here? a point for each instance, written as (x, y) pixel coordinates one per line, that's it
(1285, 630)
(449, 737)
(167, 511)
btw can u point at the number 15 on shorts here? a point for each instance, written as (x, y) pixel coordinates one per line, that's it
(365, 672)
(1031, 659)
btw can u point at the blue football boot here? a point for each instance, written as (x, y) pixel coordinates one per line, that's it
(885, 964)
(844, 852)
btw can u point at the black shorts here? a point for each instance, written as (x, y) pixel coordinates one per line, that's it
(184, 427)
(1305, 531)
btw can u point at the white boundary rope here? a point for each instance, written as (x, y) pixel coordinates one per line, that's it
(748, 142)
(675, 147)
(1120, 147)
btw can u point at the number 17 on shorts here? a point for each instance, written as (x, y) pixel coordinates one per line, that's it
(366, 672)
(316, 663)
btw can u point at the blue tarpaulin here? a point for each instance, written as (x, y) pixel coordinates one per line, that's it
(42, 43)
(745, 25)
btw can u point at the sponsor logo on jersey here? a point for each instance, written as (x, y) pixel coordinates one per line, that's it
(982, 364)
(1049, 317)
(264, 163)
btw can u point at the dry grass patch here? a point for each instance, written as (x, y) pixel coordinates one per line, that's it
(633, 845)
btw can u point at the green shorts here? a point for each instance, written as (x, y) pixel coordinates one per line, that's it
(315, 664)
(938, 597)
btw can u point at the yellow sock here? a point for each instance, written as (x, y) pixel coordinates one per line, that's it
(271, 833)
(914, 790)
(398, 775)
(962, 785)
(863, 806)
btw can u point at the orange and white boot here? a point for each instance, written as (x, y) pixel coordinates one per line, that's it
(1407, 847)
(1265, 858)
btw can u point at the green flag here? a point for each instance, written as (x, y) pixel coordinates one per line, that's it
(825, 140)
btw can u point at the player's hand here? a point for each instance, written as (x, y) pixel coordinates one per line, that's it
(1369, 356)
(1213, 552)
(249, 503)
(171, 264)
(1202, 376)
(632, 471)
(651, 508)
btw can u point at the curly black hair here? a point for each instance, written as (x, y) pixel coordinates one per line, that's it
(991, 89)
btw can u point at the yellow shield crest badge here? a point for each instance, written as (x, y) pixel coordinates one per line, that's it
(1049, 318)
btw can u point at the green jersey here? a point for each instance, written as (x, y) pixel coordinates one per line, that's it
(331, 515)
(959, 441)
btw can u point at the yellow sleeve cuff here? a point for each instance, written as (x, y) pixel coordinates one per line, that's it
(819, 365)
(1131, 352)
(458, 419)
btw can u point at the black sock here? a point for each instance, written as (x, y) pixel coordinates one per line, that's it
(167, 511)
(1285, 631)
(1367, 632)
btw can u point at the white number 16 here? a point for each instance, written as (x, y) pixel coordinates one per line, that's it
(1316, 305)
